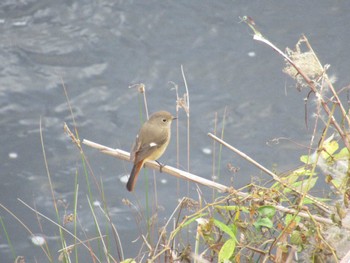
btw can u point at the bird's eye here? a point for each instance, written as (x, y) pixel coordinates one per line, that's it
(164, 120)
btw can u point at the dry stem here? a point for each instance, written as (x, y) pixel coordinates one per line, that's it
(259, 37)
(267, 171)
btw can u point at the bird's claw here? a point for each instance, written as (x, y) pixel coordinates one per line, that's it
(161, 165)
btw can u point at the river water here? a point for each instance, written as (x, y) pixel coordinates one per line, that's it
(98, 49)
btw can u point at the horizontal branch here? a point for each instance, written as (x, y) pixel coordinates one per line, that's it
(166, 169)
(123, 155)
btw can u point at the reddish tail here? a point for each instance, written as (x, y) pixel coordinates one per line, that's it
(133, 176)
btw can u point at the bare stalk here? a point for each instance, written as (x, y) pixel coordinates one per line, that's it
(188, 122)
(259, 37)
(270, 173)
(123, 155)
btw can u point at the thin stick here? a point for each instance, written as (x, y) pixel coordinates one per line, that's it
(163, 231)
(59, 226)
(105, 250)
(152, 164)
(26, 228)
(214, 150)
(259, 37)
(267, 171)
(342, 109)
(187, 93)
(177, 134)
(188, 123)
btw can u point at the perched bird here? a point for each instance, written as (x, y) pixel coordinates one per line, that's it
(151, 142)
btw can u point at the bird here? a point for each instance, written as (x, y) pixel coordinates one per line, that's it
(150, 144)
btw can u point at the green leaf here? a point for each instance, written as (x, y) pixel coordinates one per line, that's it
(189, 221)
(330, 148)
(342, 154)
(227, 207)
(290, 217)
(267, 211)
(296, 238)
(263, 222)
(227, 250)
(231, 231)
(306, 184)
(302, 186)
(301, 171)
(304, 159)
(337, 183)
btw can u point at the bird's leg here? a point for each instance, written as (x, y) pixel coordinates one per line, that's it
(161, 165)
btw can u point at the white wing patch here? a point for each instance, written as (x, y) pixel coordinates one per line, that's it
(152, 144)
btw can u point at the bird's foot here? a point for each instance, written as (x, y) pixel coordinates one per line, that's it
(161, 165)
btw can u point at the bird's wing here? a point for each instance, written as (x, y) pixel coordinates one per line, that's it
(145, 147)
(145, 151)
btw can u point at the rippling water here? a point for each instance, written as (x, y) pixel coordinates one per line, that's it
(99, 48)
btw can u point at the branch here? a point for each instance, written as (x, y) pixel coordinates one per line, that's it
(123, 155)
(167, 169)
(273, 175)
(259, 37)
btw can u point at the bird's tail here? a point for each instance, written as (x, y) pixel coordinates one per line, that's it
(133, 176)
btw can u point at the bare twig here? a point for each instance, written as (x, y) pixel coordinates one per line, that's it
(267, 171)
(152, 164)
(259, 37)
(330, 85)
(26, 228)
(61, 228)
(187, 97)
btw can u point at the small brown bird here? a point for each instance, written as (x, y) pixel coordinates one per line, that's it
(151, 142)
